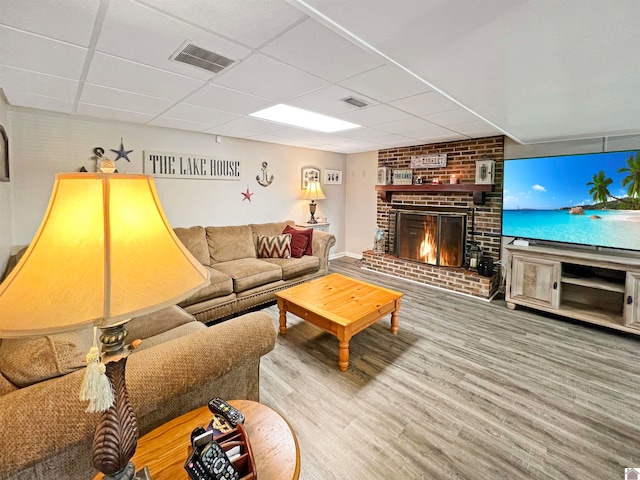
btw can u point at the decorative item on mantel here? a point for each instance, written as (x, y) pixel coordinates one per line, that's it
(429, 161)
(264, 181)
(402, 176)
(485, 174)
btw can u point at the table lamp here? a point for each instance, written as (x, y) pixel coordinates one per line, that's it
(313, 192)
(103, 254)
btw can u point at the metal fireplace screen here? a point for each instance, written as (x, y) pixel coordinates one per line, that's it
(430, 237)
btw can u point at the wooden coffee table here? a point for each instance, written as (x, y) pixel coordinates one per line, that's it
(341, 306)
(273, 442)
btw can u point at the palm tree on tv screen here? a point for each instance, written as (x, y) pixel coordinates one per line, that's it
(600, 185)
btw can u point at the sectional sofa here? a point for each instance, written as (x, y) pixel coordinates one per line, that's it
(240, 278)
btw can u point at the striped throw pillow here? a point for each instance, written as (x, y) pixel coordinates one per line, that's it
(278, 246)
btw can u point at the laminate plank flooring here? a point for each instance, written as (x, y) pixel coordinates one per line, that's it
(466, 390)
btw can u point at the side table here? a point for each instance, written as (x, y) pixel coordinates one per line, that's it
(316, 226)
(273, 442)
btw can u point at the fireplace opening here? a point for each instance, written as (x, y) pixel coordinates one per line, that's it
(435, 238)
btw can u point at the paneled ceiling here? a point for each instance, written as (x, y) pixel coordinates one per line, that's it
(429, 70)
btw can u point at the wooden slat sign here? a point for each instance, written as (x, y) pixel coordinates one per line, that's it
(188, 165)
(429, 161)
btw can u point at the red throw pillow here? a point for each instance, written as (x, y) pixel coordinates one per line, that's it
(300, 241)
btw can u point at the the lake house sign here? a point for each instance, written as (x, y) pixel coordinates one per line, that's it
(187, 165)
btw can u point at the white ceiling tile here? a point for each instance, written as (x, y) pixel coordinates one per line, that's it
(39, 54)
(250, 22)
(142, 34)
(113, 98)
(37, 83)
(411, 127)
(475, 128)
(113, 72)
(21, 99)
(314, 48)
(69, 21)
(425, 103)
(375, 115)
(450, 117)
(179, 124)
(244, 127)
(267, 78)
(385, 84)
(376, 136)
(200, 115)
(227, 100)
(329, 100)
(102, 112)
(302, 143)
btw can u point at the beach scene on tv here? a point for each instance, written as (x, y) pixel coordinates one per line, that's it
(591, 199)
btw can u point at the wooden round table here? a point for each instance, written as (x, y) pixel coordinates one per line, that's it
(273, 442)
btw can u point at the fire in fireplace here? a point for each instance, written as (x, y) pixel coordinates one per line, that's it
(436, 238)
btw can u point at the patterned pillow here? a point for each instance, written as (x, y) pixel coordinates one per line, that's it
(278, 246)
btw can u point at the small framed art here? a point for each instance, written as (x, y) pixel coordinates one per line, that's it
(309, 174)
(332, 177)
(4, 156)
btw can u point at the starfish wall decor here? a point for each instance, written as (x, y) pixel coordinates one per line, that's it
(122, 153)
(247, 194)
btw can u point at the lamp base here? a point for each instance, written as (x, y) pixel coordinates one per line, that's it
(312, 210)
(127, 473)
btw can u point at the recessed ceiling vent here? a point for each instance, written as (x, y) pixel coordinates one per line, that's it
(200, 57)
(355, 101)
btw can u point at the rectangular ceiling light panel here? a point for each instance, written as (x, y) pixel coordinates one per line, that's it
(298, 117)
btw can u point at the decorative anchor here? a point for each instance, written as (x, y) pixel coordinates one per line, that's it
(264, 181)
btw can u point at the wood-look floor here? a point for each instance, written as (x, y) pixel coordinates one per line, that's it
(466, 390)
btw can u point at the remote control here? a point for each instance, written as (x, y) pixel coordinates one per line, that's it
(195, 469)
(233, 415)
(217, 463)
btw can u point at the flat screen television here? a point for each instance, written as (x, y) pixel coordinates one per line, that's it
(588, 199)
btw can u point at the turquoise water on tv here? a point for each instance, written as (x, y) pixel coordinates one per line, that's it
(615, 228)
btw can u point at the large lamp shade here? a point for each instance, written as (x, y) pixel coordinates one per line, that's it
(104, 253)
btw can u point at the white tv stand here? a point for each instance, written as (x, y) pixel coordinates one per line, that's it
(594, 286)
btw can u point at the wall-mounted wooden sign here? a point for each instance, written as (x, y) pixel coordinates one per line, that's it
(429, 161)
(189, 165)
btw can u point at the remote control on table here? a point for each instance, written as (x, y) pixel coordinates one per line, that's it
(233, 415)
(217, 463)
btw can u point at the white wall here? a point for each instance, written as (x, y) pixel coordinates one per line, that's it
(360, 211)
(6, 228)
(45, 143)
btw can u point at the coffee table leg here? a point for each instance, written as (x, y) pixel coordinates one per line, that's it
(344, 355)
(283, 317)
(394, 322)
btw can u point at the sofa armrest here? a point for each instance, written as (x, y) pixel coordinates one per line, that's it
(321, 243)
(47, 419)
(157, 374)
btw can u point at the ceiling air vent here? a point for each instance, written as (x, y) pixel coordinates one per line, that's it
(355, 101)
(200, 57)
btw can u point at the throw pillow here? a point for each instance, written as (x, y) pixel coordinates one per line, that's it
(29, 360)
(302, 236)
(278, 246)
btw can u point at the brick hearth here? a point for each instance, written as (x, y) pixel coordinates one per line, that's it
(461, 161)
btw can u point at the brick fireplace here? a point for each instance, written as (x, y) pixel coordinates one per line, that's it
(455, 212)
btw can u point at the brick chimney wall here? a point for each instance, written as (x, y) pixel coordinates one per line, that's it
(461, 161)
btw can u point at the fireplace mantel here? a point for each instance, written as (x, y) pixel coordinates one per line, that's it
(478, 190)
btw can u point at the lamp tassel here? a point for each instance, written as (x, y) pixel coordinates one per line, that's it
(96, 387)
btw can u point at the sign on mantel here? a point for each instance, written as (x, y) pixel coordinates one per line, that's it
(189, 165)
(429, 161)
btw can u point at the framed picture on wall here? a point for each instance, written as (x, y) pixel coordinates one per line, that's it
(333, 177)
(4, 156)
(309, 174)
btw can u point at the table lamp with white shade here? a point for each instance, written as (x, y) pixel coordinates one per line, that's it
(313, 192)
(103, 254)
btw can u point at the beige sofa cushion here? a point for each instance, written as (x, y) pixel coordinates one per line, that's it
(181, 331)
(219, 286)
(29, 360)
(249, 272)
(195, 239)
(157, 322)
(295, 267)
(230, 243)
